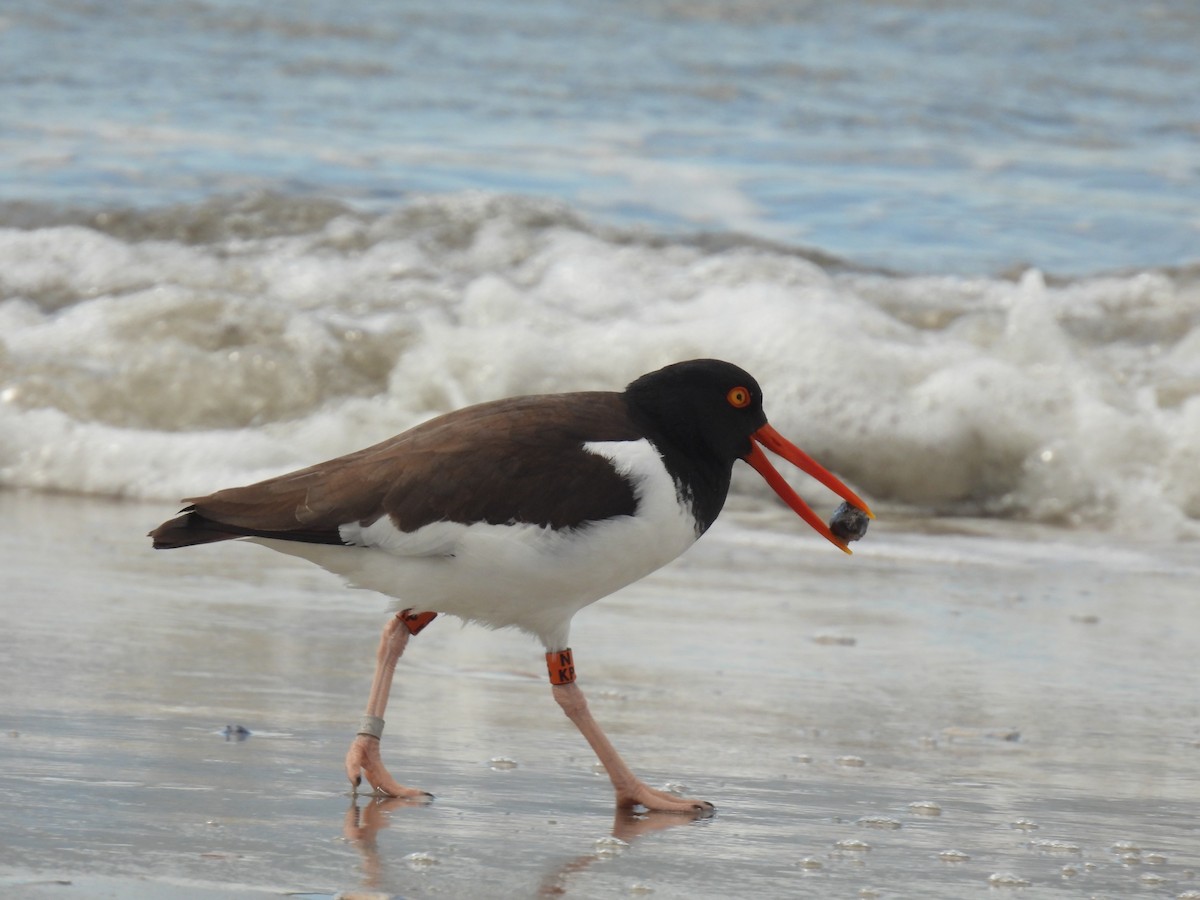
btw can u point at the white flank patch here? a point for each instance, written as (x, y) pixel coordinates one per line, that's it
(528, 576)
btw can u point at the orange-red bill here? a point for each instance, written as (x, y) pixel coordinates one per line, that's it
(775, 442)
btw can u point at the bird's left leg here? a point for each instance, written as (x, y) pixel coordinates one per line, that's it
(363, 756)
(631, 790)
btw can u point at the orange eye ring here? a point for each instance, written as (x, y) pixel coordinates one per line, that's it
(738, 397)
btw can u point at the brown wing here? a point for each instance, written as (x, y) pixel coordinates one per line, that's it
(516, 460)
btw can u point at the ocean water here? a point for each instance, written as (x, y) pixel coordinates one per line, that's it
(964, 138)
(958, 245)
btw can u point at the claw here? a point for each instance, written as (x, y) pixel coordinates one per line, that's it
(660, 801)
(363, 757)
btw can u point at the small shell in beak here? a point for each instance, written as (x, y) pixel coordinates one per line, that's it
(849, 522)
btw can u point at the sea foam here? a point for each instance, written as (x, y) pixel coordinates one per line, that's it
(169, 353)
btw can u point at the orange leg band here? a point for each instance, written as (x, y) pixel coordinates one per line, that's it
(414, 622)
(561, 665)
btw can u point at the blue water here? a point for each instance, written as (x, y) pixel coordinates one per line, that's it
(967, 138)
(246, 236)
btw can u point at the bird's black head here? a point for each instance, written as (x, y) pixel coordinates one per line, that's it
(706, 408)
(705, 414)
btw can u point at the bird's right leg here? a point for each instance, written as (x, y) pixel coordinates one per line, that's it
(363, 758)
(631, 790)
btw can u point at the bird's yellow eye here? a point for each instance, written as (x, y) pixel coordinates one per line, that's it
(738, 398)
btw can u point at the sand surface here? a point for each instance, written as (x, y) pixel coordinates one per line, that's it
(959, 709)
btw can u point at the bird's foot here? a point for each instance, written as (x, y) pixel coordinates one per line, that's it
(641, 794)
(363, 761)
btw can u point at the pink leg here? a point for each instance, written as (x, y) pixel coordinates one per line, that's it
(631, 791)
(363, 755)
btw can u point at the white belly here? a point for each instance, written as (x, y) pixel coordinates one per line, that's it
(528, 576)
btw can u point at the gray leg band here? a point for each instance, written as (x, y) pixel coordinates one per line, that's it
(372, 726)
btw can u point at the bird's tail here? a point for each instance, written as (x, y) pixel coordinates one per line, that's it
(192, 528)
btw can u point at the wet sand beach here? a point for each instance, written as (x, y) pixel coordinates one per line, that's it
(961, 708)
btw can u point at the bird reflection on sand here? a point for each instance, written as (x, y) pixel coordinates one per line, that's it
(362, 825)
(627, 827)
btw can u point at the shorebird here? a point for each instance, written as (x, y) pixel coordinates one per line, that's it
(518, 512)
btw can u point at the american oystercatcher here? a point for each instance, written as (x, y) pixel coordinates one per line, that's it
(518, 512)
